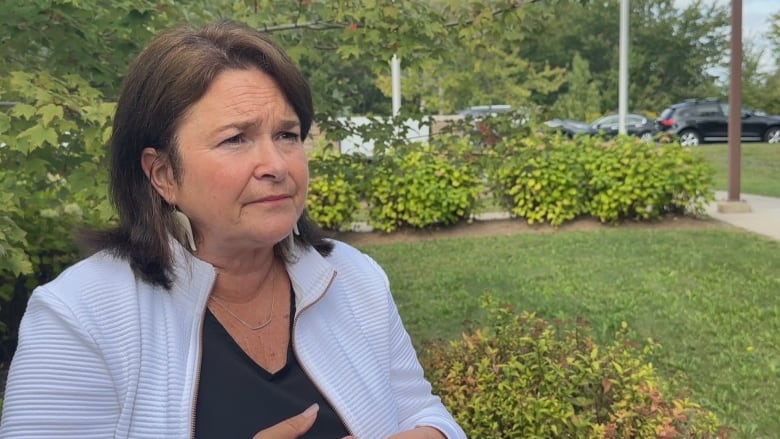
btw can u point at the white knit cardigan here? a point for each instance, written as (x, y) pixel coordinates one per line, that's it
(103, 354)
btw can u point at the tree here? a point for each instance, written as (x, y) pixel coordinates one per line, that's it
(480, 63)
(774, 34)
(90, 39)
(62, 66)
(63, 60)
(581, 100)
(764, 92)
(757, 90)
(672, 52)
(454, 53)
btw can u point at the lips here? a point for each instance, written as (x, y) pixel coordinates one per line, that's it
(271, 198)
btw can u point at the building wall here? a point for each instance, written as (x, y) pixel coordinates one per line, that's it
(315, 137)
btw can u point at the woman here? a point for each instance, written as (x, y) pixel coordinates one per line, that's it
(215, 308)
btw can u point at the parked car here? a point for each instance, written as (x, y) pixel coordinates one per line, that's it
(569, 127)
(706, 120)
(636, 124)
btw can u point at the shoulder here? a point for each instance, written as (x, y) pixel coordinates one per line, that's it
(101, 271)
(342, 249)
(348, 261)
(88, 303)
(98, 282)
(361, 282)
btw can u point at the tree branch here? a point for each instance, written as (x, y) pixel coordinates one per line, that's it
(515, 5)
(313, 25)
(318, 25)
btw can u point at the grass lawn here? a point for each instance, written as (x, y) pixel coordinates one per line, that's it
(709, 297)
(760, 167)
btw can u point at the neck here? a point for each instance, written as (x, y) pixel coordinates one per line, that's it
(236, 259)
(244, 282)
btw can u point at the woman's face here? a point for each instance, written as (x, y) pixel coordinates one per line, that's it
(244, 170)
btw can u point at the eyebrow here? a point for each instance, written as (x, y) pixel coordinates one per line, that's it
(286, 124)
(289, 124)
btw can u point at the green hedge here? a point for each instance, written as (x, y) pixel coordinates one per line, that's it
(335, 188)
(542, 180)
(554, 179)
(537, 177)
(420, 188)
(49, 188)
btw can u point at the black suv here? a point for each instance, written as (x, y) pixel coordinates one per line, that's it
(706, 120)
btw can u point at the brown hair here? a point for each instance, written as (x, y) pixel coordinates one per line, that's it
(169, 76)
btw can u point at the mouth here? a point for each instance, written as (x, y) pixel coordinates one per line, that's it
(271, 199)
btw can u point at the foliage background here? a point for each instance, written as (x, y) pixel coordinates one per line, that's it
(62, 63)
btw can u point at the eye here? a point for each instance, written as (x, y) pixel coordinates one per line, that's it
(235, 140)
(289, 136)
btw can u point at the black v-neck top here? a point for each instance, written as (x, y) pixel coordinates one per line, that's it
(237, 397)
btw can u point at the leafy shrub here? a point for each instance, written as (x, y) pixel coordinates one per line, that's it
(633, 179)
(541, 181)
(550, 178)
(332, 201)
(420, 187)
(335, 188)
(53, 179)
(523, 377)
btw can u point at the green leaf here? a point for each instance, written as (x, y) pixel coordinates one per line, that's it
(50, 112)
(24, 111)
(37, 136)
(5, 123)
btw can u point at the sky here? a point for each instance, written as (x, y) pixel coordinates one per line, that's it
(755, 14)
(755, 20)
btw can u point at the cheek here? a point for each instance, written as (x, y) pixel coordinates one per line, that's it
(300, 174)
(298, 167)
(215, 184)
(305, 177)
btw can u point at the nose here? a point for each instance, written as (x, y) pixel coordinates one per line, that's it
(270, 161)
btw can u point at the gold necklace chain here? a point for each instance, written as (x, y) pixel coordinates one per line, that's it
(242, 321)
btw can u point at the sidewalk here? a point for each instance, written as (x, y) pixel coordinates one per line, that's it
(764, 217)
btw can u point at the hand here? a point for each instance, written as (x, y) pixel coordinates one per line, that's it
(291, 428)
(419, 433)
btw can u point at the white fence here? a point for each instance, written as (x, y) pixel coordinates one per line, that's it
(416, 132)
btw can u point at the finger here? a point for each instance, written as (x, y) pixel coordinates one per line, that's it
(291, 428)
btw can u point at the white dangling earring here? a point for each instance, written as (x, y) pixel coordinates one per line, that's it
(291, 236)
(186, 225)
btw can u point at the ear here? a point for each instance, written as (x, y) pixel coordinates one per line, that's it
(158, 169)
